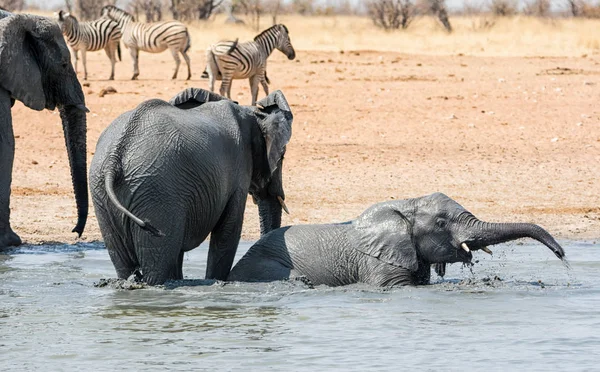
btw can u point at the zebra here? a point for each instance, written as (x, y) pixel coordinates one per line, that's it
(152, 37)
(91, 36)
(228, 60)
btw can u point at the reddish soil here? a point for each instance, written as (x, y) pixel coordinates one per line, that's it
(511, 139)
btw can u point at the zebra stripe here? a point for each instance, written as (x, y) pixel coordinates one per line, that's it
(154, 37)
(90, 37)
(228, 60)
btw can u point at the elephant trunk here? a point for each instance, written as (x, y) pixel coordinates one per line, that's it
(487, 233)
(74, 126)
(269, 212)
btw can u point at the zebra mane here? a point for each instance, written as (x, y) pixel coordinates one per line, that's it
(269, 30)
(114, 9)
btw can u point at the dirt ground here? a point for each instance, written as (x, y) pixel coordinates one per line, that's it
(511, 139)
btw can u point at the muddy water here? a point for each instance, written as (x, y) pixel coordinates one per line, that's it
(539, 316)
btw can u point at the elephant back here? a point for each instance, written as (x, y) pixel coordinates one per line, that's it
(194, 97)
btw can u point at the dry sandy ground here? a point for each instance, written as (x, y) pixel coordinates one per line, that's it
(511, 139)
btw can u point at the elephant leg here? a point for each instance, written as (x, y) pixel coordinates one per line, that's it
(119, 247)
(175, 55)
(110, 52)
(135, 54)
(225, 237)
(254, 88)
(7, 153)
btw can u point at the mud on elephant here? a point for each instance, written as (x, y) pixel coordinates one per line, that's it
(391, 243)
(35, 68)
(167, 174)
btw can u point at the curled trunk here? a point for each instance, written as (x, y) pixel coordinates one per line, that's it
(74, 126)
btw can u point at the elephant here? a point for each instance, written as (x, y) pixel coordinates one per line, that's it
(166, 174)
(391, 243)
(35, 68)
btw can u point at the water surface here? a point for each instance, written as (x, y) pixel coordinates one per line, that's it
(538, 317)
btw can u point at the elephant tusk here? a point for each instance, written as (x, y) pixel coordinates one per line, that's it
(465, 247)
(486, 250)
(283, 204)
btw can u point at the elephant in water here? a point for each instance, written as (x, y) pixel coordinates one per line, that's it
(391, 243)
(166, 174)
(35, 68)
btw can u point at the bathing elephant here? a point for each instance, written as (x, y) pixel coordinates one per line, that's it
(35, 68)
(166, 174)
(391, 243)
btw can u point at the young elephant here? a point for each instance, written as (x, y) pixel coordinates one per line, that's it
(167, 174)
(391, 243)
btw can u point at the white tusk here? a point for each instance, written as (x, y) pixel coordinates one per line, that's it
(465, 247)
(486, 250)
(283, 204)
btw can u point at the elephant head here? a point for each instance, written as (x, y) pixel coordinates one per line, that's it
(434, 229)
(274, 118)
(35, 68)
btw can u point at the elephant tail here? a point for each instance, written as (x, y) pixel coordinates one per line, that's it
(145, 225)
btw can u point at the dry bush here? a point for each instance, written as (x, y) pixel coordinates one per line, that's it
(87, 9)
(391, 14)
(504, 8)
(537, 8)
(589, 10)
(187, 10)
(438, 9)
(152, 9)
(12, 5)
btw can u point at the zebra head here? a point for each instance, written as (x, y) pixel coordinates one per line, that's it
(116, 14)
(66, 21)
(284, 44)
(276, 37)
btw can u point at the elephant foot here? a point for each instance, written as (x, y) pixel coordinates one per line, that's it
(9, 239)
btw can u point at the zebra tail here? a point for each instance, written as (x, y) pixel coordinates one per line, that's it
(267, 78)
(119, 51)
(233, 46)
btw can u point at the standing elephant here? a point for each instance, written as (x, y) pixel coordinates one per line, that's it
(391, 243)
(35, 68)
(181, 170)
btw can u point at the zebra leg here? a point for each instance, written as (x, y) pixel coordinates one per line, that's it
(135, 57)
(175, 55)
(187, 61)
(254, 88)
(83, 59)
(264, 84)
(110, 52)
(225, 90)
(75, 58)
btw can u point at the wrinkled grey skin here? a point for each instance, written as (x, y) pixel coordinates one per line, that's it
(178, 171)
(35, 68)
(391, 243)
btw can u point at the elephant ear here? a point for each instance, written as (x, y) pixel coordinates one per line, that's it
(19, 70)
(384, 232)
(194, 97)
(275, 121)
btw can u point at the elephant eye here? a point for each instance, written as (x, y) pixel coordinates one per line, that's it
(441, 223)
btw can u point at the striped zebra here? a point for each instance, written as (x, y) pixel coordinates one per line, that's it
(228, 60)
(90, 37)
(152, 37)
